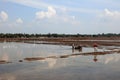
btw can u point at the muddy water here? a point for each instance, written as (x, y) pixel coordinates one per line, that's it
(51, 66)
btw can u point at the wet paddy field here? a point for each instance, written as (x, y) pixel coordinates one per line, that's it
(25, 61)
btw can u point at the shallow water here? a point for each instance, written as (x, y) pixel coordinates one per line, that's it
(79, 67)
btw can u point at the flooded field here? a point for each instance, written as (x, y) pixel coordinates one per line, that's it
(24, 61)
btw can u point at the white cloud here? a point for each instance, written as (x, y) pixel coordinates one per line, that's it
(42, 14)
(56, 16)
(111, 14)
(3, 16)
(31, 3)
(109, 18)
(70, 19)
(19, 20)
(41, 4)
(107, 21)
(108, 13)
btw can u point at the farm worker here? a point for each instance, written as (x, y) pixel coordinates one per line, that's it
(95, 47)
(73, 46)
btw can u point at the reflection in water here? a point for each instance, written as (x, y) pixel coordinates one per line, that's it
(95, 58)
(5, 57)
(113, 58)
(108, 59)
(51, 62)
(9, 46)
(58, 63)
(7, 77)
(34, 49)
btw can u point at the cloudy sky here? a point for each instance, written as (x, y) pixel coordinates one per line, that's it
(60, 16)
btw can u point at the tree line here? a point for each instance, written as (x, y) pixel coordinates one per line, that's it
(24, 35)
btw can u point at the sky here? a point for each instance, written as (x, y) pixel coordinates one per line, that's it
(60, 16)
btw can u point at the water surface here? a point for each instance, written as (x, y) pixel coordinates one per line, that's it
(79, 67)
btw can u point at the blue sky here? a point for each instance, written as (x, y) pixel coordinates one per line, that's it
(60, 16)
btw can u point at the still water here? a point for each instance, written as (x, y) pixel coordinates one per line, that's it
(79, 67)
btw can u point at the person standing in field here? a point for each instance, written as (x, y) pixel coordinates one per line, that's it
(95, 45)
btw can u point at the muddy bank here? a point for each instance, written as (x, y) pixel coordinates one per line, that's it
(75, 54)
(4, 62)
(86, 41)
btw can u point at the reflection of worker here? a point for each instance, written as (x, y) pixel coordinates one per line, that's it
(95, 58)
(80, 48)
(73, 50)
(95, 45)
